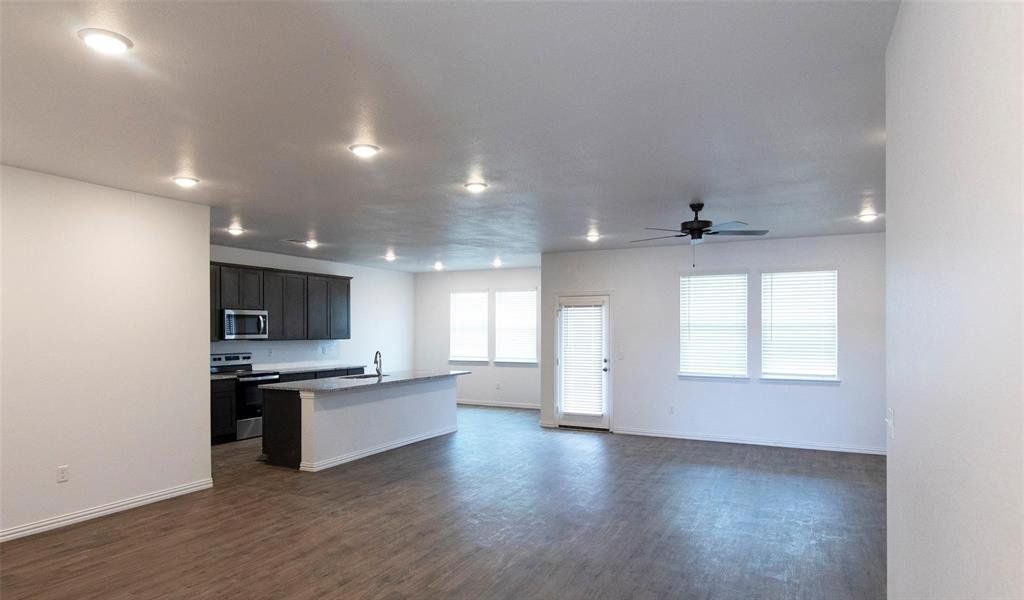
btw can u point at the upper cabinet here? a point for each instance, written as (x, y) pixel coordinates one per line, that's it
(318, 314)
(338, 301)
(241, 287)
(294, 319)
(300, 306)
(284, 299)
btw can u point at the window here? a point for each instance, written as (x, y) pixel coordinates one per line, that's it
(713, 325)
(515, 326)
(799, 325)
(468, 324)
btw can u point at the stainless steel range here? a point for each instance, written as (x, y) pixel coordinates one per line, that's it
(248, 398)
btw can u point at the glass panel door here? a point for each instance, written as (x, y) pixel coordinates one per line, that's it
(582, 362)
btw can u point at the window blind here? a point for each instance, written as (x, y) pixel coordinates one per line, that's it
(468, 324)
(799, 328)
(582, 356)
(515, 326)
(713, 325)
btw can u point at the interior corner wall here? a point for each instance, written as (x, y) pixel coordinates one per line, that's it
(490, 383)
(955, 271)
(382, 315)
(648, 397)
(104, 358)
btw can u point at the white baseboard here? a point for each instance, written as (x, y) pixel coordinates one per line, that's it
(744, 440)
(498, 403)
(104, 509)
(327, 463)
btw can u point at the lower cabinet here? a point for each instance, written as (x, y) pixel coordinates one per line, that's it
(332, 373)
(222, 410)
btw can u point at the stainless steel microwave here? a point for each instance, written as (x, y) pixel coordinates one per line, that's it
(245, 324)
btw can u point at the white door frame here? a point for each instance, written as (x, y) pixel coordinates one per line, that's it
(572, 420)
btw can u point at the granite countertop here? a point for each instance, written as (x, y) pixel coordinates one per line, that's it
(342, 384)
(286, 368)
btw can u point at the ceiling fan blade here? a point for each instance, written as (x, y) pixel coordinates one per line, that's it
(661, 229)
(661, 237)
(728, 225)
(738, 232)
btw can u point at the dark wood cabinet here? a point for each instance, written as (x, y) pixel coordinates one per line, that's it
(250, 289)
(288, 377)
(222, 410)
(338, 299)
(284, 299)
(214, 303)
(229, 290)
(332, 373)
(317, 311)
(294, 322)
(300, 306)
(273, 303)
(241, 288)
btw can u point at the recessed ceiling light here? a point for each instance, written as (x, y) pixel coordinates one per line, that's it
(475, 187)
(593, 235)
(497, 262)
(390, 256)
(438, 266)
(236, 230)
(364, 150)
(105, 42)
(186, 182)
(867, 216)
(312, 244)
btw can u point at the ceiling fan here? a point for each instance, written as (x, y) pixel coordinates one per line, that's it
(698, 228)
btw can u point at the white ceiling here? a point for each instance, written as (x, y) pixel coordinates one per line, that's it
(576, 114)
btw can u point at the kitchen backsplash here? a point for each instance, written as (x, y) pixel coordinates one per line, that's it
(299, 351)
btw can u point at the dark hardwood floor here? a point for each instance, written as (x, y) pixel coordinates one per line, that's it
(501, 509)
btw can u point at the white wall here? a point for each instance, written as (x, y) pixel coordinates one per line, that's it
(644, 314)
(495, 384)
(105, 356)
(954, 229)
(382, 315)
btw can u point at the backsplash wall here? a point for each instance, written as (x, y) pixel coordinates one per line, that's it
(382, 315)
(297, 351)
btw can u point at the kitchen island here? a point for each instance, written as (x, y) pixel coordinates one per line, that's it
(320, 423)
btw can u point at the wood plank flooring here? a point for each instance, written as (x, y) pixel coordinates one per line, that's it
(501, 509)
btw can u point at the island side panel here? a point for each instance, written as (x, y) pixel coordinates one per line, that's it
(352, 424)
(282, 428)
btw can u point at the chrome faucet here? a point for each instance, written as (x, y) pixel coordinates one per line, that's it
(378, 363)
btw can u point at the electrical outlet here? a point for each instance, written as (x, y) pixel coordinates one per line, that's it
(671, 409)
(497, 386)
(270, 352)
(323, 350)
(63, 474)
(890, 423)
